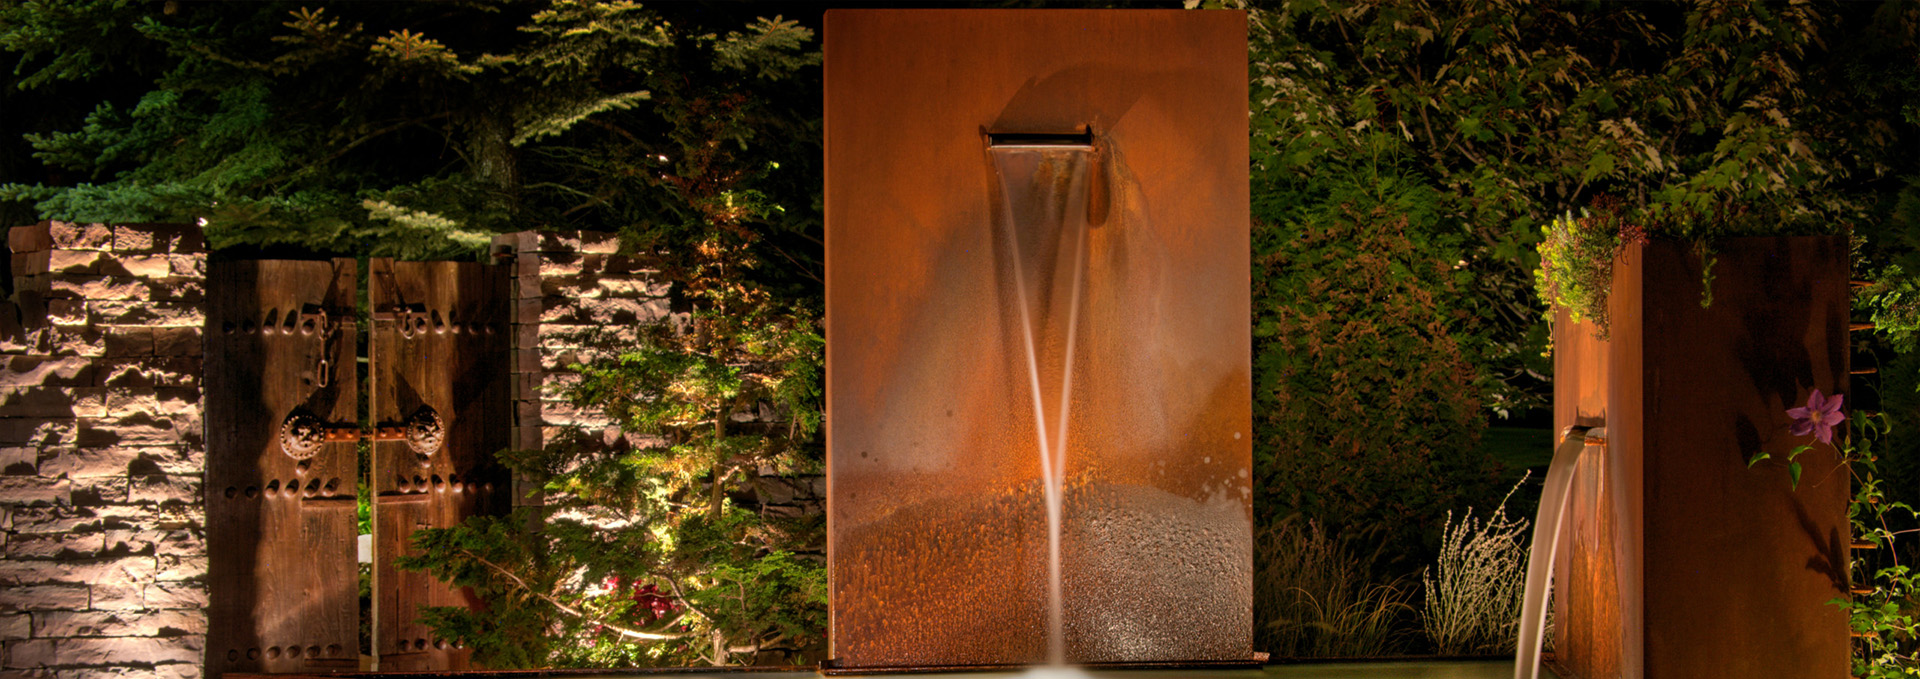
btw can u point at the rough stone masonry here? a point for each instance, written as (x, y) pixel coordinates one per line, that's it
(101, 453)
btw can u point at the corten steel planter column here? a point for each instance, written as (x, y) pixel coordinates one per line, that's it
(1710, 569)
(935, 193)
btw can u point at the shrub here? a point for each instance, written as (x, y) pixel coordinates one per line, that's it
(1354, 331)
(1314, 596)
(1475, 591)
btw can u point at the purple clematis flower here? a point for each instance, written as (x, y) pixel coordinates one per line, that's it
(1818, 417)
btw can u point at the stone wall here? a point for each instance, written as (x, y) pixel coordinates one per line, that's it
(577, 299)
(101, 451)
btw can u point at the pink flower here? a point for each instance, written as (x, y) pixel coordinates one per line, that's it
(1818, 417)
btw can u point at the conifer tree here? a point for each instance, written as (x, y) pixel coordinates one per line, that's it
(417, 130)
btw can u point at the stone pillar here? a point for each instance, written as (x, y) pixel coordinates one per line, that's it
(101, 451)
(575, 300)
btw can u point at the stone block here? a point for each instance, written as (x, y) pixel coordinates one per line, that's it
(577, 241)
(159, 671)
(94, 287)
(132, 238)
(187, 265)
(55, 546)
(132, 541)
(182, 542)
(54, 519)
(563, 413)
(156, 401)
(181, 567)
(178, 341)
(67, 313)
(559, 264)
(85, 463)
(29, 238)
(111, 651)
(80, 236)
(117, 595)
(176, 595)
(176, 671)
(177, 371)
(146, 313)
(138, 266)
(30, 653)
(71, 340)
(633, 286)
(74, 262)
(18, 461)
(516, 241)
(16, 626)
(135, 429)
(32, 490)
(77, 572)
(35, 673)
(164, 488)
(30, 269)
(179, 289)
(47, 371)
(99, 490)
(158, 238)
(118, 623)
(36, 402)
(58, 597)
(129, 341)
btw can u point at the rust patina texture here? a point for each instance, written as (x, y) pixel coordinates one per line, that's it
(936, 524)
(1737, 567)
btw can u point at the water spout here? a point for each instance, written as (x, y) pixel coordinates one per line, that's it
(1043, 201)
(1546, 541)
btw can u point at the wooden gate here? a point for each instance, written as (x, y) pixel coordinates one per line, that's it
(439, 357)
(280, 371)
(284, 424)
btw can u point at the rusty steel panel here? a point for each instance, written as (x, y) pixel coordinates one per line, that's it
(1588, 632)
(438, 357)
(1729, 569)
(968, 288)
(281, 571)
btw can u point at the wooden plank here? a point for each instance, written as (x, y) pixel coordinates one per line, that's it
(439, 345)
(282, 577)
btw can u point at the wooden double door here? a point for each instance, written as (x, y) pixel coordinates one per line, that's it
(318, 432)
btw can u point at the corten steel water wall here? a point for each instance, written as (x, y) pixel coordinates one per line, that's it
(1126, 245)
(1725, 571)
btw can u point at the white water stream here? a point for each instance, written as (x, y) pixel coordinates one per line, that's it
(1063, 171)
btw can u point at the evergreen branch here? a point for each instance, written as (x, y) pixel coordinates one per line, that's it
(569, 610)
